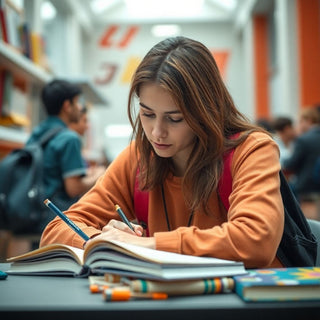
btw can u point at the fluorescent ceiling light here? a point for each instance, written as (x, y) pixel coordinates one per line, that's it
(48, 11)
(98, 6)
(165, 30)
(168, 8)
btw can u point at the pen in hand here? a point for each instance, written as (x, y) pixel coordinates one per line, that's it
(123, 217)
(70, 223)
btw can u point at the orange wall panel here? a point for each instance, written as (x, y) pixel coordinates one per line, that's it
(261, 66)
(308, 15)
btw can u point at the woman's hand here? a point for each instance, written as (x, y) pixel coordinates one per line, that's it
(118, 230)
(116, 224)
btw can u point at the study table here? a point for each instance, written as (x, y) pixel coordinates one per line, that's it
(58, 298)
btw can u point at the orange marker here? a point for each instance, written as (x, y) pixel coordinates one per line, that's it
(124, 294)
(96, 288)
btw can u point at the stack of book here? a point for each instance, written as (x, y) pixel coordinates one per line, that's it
(146, 271)
(115, 257)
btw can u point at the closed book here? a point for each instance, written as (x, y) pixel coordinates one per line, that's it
(282, 284)
(116, 257)
(2, 86)
(13, 20)
(3, 22)
(25, 40)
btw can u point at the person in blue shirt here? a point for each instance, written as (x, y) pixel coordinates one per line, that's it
(66, 177)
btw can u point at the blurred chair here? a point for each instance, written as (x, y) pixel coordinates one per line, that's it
(315, 228)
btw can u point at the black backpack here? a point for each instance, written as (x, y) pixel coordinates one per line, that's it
(22, 189)
(298, 246)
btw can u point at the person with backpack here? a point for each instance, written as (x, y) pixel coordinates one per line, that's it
(192, 151)
(65, 177)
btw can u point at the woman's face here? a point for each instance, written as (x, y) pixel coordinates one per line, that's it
(165, 126)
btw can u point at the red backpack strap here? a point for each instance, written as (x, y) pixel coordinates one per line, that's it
(141, 204)
(225, 182)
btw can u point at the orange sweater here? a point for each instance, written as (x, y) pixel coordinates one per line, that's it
(250, 232)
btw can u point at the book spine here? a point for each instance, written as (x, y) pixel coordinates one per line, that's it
(3, 24)
(205, 286)
(7, 93)
(2, 85)
(25, 40)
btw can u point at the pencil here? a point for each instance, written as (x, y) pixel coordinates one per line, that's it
(70, 223)
(123, 217)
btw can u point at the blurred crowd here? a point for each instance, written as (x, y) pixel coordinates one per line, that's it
(299, 144)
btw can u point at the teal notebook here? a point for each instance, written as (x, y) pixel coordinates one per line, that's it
(285, 284)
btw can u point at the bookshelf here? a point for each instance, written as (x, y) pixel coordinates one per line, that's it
(27, 72)
(29, 76)
(21, 66)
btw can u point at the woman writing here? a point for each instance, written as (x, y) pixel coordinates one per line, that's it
(183, 124)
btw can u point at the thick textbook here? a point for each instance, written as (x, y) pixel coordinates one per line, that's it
(116, 257)
(282, 284)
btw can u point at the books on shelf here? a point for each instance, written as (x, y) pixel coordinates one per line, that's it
(3, 22)
(37, 51)
(14, 18)
(6, 92)
(11, 17)
(13, 102)
(120, 258)
(283, 284)
(25, 39)
(2, 88)
(16, 32)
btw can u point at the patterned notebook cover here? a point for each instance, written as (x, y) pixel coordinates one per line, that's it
(285, 284)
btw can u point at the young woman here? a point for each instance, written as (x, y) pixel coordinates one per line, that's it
(184, 123)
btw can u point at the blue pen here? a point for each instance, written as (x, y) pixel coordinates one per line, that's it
(70, 223)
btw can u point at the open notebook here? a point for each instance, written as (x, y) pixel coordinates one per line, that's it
(121, 258)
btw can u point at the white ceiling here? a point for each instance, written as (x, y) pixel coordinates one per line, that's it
(163, 11)
(93, 12)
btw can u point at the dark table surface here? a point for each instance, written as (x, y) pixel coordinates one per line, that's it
(45, 297)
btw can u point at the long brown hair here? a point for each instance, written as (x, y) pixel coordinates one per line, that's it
(188, 71)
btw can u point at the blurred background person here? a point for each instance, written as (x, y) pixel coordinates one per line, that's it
(81, 126)
(66, 177)
(284, 134)
(301, 163)
(265, 124)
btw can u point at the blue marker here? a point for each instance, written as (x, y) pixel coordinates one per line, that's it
(70, 223)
